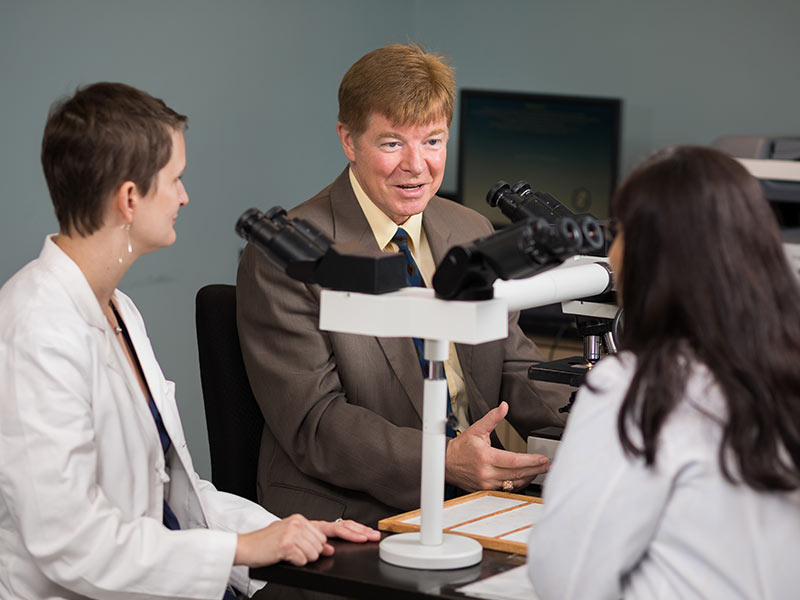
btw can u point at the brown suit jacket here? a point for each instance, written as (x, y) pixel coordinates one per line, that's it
(342, 411)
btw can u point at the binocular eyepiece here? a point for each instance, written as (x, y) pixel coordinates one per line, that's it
(306, 254)
(284, 240)
(581, 233)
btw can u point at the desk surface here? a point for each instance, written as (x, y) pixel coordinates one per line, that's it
(356, 571)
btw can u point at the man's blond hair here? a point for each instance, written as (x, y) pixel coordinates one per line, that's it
(402, 82)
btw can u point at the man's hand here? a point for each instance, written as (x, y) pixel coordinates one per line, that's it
(472, 464)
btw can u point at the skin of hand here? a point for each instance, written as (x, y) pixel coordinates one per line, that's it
(472, 464)
(297, 540)
(348, 530)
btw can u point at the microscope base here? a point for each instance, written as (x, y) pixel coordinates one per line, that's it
(406, 550)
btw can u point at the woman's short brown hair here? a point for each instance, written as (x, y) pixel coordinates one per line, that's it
(401, 82)
(104, 135)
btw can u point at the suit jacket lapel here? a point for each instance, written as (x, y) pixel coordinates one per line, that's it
(349, 223)
(437, 230)
(351, 226)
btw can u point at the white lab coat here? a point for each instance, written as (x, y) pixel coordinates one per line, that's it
(82, 471)
(615, 528)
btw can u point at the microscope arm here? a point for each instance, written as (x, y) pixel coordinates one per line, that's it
(577, 277)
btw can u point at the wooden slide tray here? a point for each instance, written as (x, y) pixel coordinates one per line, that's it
(498, 520)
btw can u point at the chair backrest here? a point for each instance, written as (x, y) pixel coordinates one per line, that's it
(233, 418)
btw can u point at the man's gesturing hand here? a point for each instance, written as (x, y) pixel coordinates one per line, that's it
(472, 464)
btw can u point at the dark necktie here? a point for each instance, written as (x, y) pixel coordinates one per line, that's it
(414, 279)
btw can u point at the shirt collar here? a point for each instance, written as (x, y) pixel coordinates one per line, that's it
(383, 228)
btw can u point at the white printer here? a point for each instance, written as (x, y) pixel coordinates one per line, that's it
(775, 161)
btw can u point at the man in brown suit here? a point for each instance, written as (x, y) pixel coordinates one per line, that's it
(343, 412)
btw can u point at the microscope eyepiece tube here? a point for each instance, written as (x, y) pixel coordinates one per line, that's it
(592, 231)
(283, 241)
(570, 234)
(253, 224)
(513, 205)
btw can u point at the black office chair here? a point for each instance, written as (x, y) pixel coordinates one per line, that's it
(233, 418)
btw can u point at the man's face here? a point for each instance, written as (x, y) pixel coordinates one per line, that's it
(399, 167)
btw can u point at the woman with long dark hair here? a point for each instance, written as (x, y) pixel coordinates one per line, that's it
(678, 473)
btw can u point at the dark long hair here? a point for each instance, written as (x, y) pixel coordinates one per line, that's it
(705, 279)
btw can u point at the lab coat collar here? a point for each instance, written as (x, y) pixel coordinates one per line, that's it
(72, 279)
(70, 276)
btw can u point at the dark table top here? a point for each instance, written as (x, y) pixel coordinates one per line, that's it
(356, 571)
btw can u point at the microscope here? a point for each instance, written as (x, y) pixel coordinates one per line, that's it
(531, 263)
(548, 255)
(598, 319)
(545, 241)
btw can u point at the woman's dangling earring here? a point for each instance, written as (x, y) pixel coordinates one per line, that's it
(127, 228)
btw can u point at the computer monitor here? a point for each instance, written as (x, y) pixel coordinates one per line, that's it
(567, 146)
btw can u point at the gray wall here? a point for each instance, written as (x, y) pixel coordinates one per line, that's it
(258, 80)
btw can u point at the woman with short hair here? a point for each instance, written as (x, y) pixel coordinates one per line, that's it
(98, 495)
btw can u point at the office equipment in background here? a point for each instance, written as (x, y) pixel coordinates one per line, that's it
(545, 444)
(775, 161)
(567, 145)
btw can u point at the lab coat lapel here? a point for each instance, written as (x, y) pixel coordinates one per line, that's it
(74, 282)
(183, 486)
(190, 511)
(152, 373)
(72, 279)
(117, 361)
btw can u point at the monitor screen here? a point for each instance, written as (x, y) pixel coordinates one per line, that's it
(567, 146)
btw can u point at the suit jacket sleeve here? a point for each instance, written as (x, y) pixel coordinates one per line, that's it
(532, 404)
